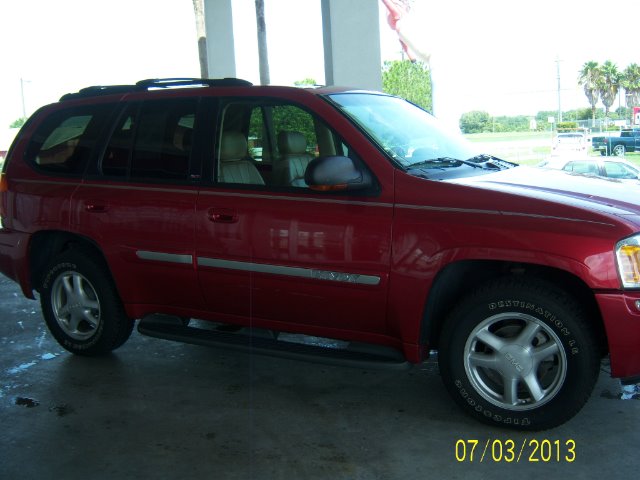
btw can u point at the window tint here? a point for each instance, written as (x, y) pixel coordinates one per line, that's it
(64, 142)
(163, 140)
(152, 141)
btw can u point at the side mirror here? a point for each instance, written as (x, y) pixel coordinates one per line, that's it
(336, 174)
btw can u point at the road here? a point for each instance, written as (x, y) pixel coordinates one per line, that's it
(162, 410)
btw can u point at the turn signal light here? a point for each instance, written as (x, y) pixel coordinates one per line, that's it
(629, 265)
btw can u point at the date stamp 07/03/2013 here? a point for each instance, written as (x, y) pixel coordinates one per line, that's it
(514, 451)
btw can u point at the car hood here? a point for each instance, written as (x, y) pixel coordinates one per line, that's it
(586, 192)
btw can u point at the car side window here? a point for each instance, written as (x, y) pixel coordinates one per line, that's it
(619, 170)
(152, 141)
(272, 144)
(581, 167)
(64, 142)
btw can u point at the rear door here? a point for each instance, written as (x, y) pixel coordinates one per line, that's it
(138, 204)
(276, 253)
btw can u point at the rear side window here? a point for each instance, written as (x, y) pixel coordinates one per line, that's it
(152, 141)
(64, 142)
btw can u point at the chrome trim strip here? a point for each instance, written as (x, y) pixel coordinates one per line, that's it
(297, 199)
(447, 209)
(165, 257)
(496, 212)
(299, 272)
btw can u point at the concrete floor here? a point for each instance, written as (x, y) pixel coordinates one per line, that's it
(162, 410)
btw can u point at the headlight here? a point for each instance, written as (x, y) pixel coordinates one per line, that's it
(628, 257)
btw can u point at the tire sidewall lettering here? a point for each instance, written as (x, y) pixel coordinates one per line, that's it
(53, 273)
(543, 314)
(488, 413)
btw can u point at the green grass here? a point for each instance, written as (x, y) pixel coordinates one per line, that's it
(508, 136)
(525, 148)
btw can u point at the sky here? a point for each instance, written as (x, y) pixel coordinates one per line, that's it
(500, 56)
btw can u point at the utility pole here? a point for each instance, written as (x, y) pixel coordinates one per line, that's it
(559, 105)
(263, 57)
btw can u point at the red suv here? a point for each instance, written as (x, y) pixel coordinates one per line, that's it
(270, 211)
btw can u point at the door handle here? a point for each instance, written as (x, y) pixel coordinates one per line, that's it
(92, 207)
(222, 215)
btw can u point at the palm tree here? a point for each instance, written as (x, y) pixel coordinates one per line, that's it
(610, 81)
(631, 83)
(201, 32)
(590, 79)
(263, 57)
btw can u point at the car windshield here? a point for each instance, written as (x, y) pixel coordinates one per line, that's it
(410, 135)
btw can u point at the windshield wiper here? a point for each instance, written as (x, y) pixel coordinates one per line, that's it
(444, 162)
(489, 161)
(484, 161)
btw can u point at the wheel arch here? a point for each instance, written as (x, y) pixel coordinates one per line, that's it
(460, 278)
(48, 244)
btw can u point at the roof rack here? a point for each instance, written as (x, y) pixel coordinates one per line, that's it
(155, 83)
(195, 82)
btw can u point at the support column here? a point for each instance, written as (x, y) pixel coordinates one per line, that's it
(220, 47)
(351, 36)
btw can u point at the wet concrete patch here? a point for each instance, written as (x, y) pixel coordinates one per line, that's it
(26, 402)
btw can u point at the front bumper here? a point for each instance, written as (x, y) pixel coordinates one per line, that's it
(621, 318)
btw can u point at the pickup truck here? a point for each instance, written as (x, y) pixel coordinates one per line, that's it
(628, 141)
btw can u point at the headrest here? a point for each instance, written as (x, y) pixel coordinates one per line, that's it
(233, 146)
(291, 142)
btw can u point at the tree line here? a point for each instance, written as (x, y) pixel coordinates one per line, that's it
(602, 82)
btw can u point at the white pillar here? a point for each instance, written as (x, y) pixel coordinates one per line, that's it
(352, 43)
(221, 54)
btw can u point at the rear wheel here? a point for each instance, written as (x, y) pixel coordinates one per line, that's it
(619, 150)
(81, 306)
(519, 354)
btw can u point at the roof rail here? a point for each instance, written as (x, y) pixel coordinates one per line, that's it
(155, 83)
(187, 82)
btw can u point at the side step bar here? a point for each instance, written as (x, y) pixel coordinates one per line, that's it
(265, 342)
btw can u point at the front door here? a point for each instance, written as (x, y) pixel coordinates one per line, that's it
(272, 251)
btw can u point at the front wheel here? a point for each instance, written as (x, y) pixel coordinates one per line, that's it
(81, 306)
(520, 354)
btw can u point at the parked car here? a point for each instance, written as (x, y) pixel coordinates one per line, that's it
(571, 143)
(610, 168)
(365, 221)
(627, 141)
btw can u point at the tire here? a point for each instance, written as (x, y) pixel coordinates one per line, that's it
(619, 150)
(81, 306)
(526, 335)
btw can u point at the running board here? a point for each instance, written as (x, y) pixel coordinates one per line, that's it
(266, 342)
